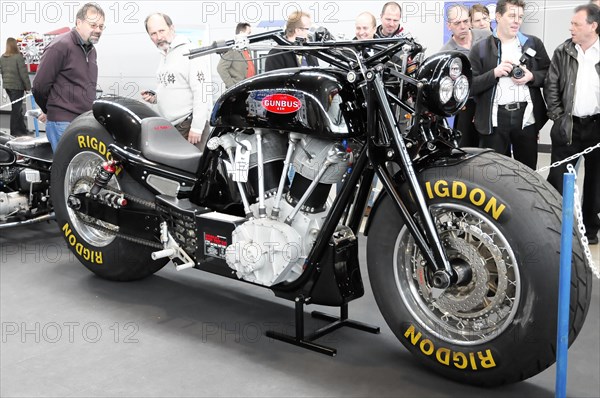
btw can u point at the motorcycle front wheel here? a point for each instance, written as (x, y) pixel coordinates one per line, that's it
(500, 223)
(96, 244)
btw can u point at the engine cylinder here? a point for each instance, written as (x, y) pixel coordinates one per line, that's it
(315, 202)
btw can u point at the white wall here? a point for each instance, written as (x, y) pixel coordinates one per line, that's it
(127, 58)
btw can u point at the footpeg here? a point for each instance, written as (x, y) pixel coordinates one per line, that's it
(185, 266)
(172, 250)
(162, 254)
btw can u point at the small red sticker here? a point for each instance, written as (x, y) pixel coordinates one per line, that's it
(281, 103)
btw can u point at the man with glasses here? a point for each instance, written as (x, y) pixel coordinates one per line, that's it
(296, 28)
(463, 38)
(65, 84)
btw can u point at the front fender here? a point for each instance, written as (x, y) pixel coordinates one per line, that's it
(455, 157)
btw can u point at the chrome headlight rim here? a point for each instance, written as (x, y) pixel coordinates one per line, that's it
(446, 90)
(455, 69)
(461, 89)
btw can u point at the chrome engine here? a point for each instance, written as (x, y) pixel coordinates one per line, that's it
(21, 191)
(272, 246)
(12, 203)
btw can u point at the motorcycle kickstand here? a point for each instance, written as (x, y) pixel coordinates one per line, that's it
(308, 342)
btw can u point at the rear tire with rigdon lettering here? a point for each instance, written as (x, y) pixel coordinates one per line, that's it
(499, 222)
(82, 148)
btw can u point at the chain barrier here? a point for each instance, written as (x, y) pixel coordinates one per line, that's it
(577, 206)
(15, 101)
(579, 217)
(569, 159)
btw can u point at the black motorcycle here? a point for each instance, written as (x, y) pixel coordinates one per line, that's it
(462, 244)
(25, 164)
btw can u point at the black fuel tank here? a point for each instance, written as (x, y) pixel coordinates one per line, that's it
(122, 117)
(316, 101)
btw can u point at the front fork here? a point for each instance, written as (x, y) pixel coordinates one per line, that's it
(426, 236)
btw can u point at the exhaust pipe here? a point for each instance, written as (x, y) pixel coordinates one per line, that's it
(45, 217)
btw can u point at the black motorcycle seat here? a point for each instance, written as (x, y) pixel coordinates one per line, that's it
(162, 143)
(32, 147)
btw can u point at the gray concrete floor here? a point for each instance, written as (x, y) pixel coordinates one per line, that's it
(66, 332)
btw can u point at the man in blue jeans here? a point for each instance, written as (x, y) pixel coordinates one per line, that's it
(65, 84)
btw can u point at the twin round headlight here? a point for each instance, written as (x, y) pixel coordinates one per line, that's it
(455, 84)
(448, 78)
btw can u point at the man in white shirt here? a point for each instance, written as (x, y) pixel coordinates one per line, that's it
(572, 92)
(510, 110)
(182, 82)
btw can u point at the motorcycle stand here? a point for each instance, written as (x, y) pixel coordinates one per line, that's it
(308, 342)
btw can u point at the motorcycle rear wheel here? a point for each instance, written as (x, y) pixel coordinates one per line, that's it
(82, 148)
(498, 327)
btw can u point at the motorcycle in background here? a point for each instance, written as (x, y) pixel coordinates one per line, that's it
(25, 167)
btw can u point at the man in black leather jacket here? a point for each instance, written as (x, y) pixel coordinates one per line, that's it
(510, 110)
(572, 92)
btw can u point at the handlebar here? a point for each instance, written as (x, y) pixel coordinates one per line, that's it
(385, 47)
(226, 45)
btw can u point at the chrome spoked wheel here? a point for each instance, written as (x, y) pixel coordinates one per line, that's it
(478, 310)
(78, 178)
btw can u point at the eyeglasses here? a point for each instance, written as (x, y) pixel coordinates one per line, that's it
(95, 26)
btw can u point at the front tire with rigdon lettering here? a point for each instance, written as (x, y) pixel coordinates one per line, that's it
(500, 224)
(82, 148)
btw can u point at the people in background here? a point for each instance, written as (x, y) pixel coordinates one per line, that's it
(65, 83)
(15, 81)
(365, 26)
(180, 94)
(480, 17)
(510, 110)
(463, 38)
(390, 21)
(235, 65)
(296, 28)
(572, 92)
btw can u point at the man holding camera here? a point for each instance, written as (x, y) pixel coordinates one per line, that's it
(509, 69)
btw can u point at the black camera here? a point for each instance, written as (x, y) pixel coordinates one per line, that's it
(517, 71)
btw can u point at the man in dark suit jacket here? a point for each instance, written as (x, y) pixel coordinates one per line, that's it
(297, 26)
